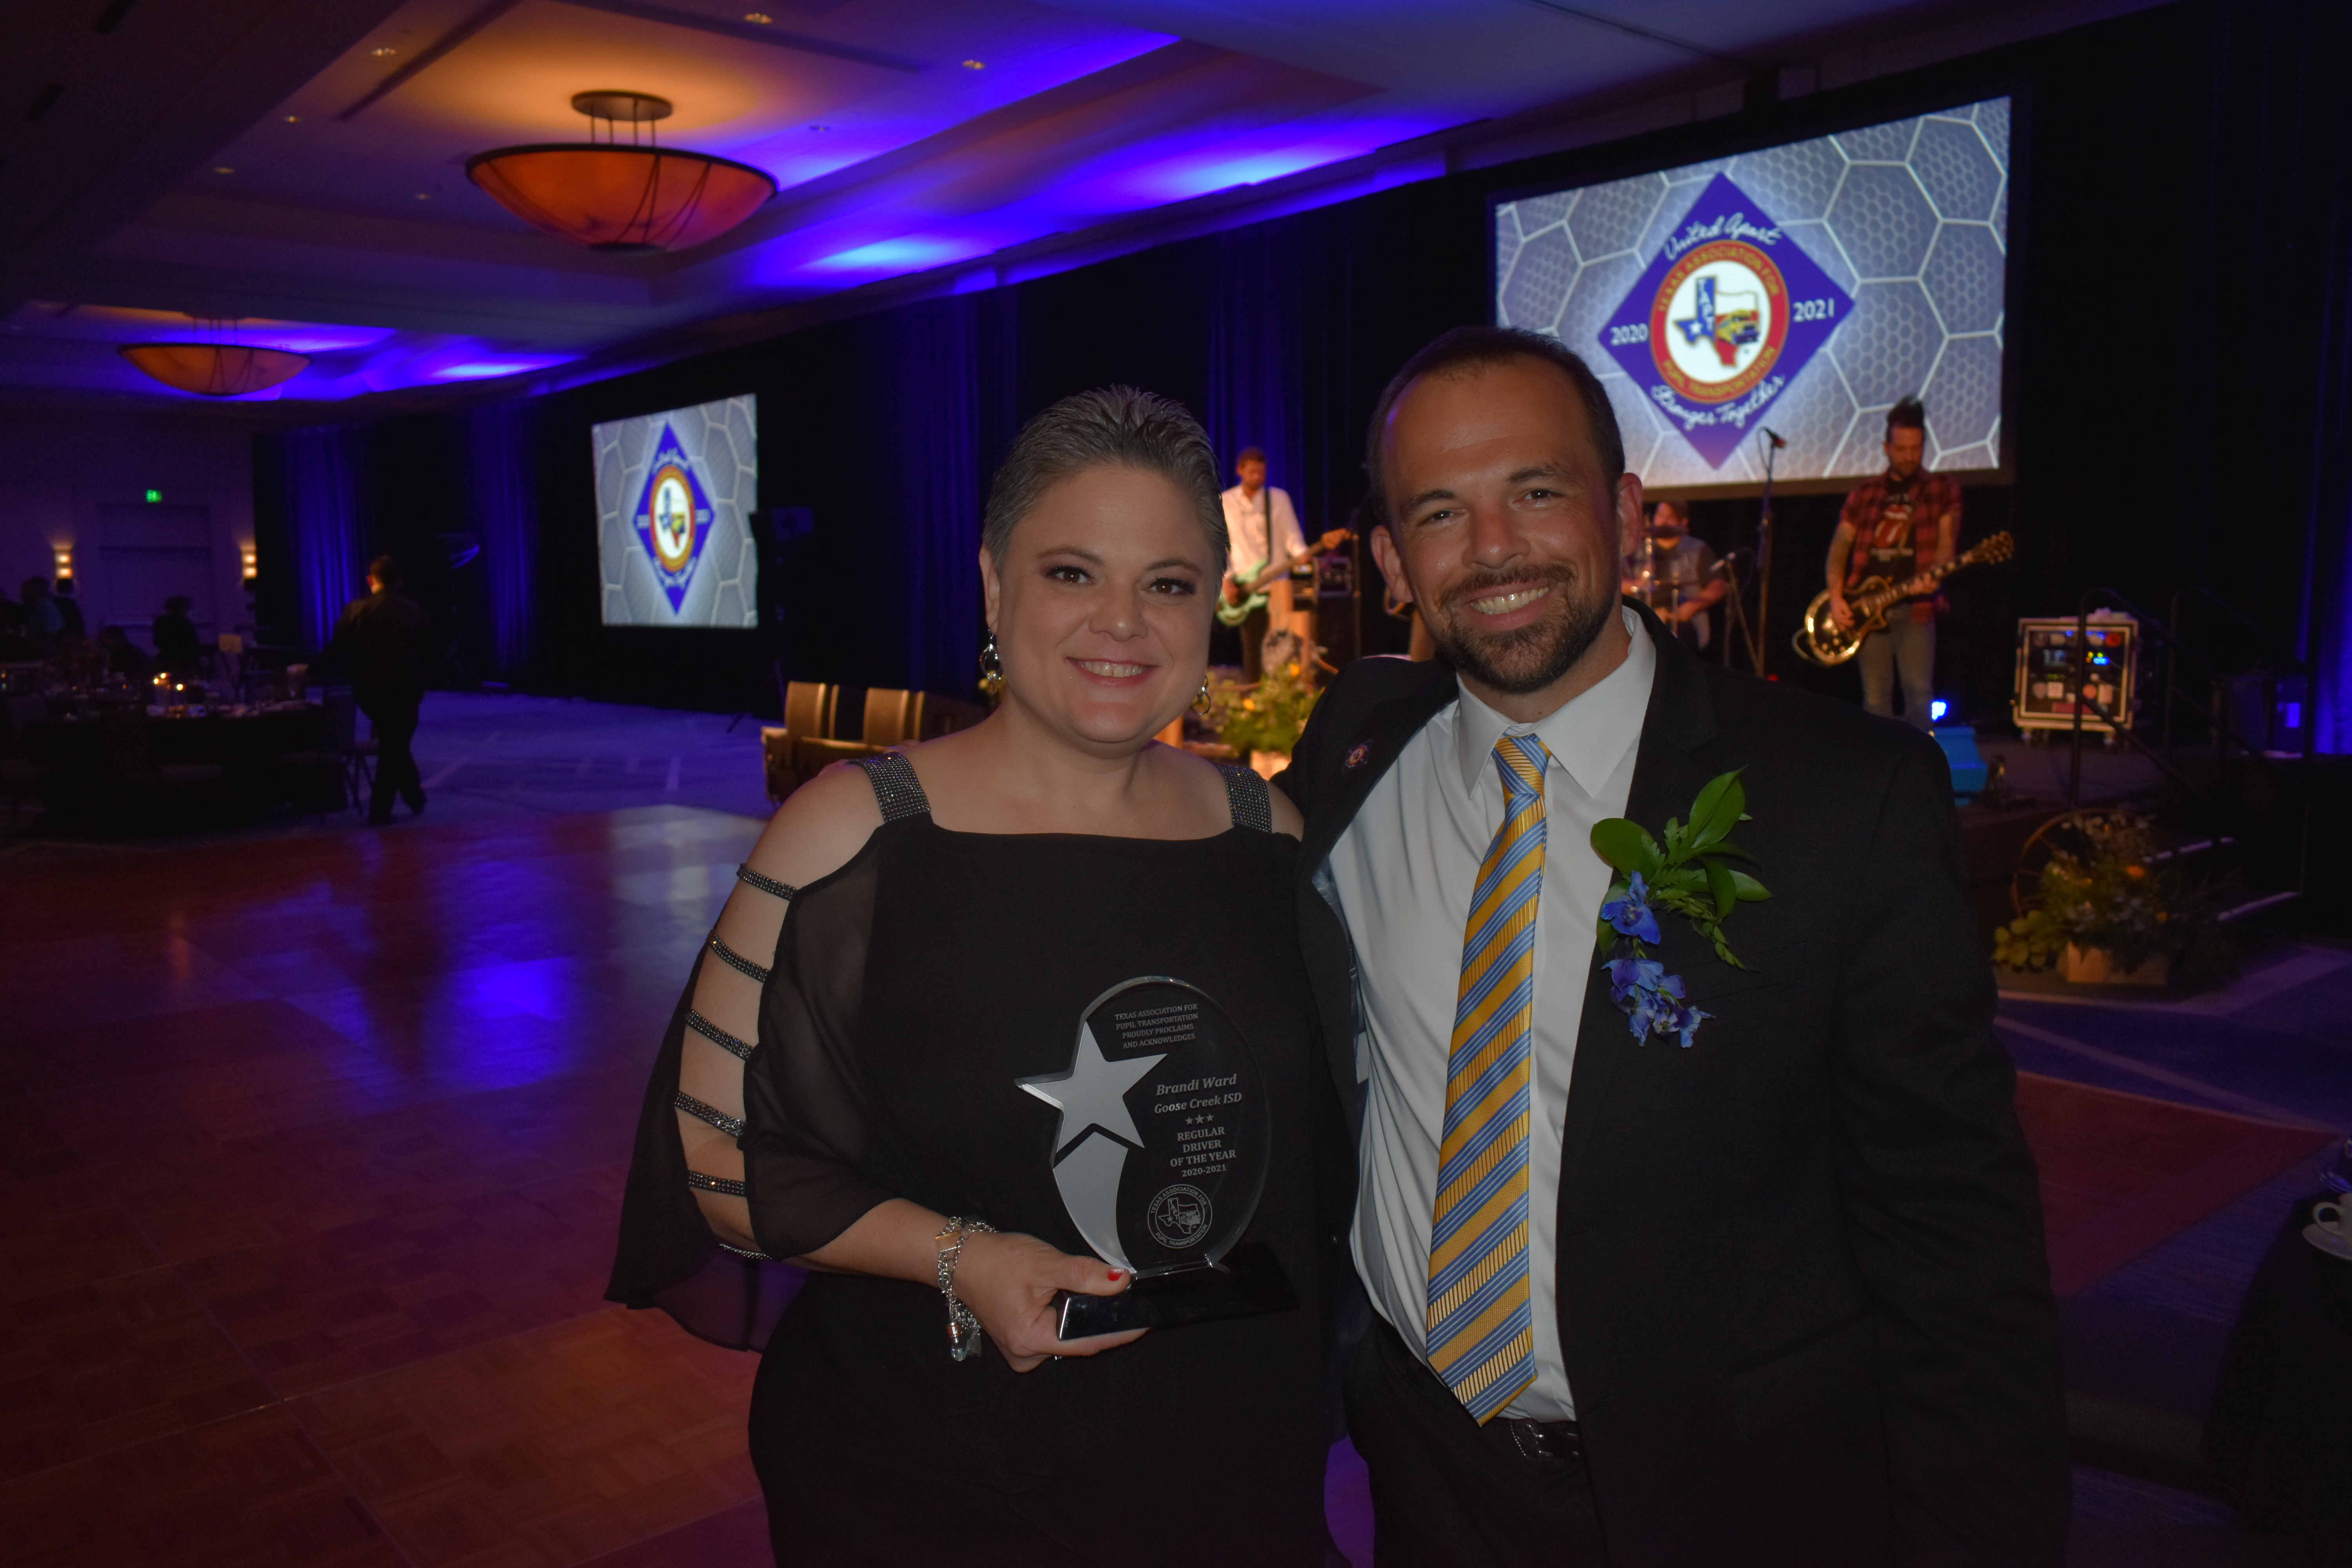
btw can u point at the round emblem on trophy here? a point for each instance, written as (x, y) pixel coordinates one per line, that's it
(1164, 1136)
(1180, 1215)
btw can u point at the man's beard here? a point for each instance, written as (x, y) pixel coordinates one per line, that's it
(1530, 657)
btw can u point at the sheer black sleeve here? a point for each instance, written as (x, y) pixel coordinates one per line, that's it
(808, 1119)
(685, 1242)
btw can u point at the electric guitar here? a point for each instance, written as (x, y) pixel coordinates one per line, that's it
(1820, 640)
(1253, 597)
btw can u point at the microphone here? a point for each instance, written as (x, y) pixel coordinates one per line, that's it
(1775, 434)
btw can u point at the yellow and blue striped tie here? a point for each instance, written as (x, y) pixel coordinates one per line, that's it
(1480, 1333)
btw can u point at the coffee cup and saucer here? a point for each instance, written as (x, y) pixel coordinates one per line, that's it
(2330, 1229)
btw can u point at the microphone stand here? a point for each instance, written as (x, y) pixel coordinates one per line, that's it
(1758, 639)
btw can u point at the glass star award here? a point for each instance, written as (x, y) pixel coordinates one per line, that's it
(1160, 1154)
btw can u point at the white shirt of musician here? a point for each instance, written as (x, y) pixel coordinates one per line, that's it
(1403, 871)
(1245, 519)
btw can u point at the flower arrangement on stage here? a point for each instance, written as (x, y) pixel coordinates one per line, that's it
(1266, 717)
(2109, 886)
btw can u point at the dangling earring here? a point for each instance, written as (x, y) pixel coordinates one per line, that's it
(1201, 701)
(992, 668)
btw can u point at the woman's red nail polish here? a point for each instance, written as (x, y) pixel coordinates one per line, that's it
(1117, 1272)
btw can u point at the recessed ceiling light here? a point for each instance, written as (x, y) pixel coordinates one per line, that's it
(975, 65)
(293, 120)
(383, 51)
(760, 17)
(424, 195)
(223, 169)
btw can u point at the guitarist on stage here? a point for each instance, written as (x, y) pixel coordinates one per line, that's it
(1264, 528)
(1903, 522)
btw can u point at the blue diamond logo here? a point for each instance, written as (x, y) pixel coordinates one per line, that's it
(672, 518)
(1724, 318)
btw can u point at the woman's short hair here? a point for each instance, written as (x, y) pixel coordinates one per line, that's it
(1112, 426)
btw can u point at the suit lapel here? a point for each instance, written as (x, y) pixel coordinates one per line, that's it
(1667, 775)
(1383, 734)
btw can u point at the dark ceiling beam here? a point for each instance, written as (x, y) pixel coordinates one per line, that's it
(430, 53)
(750, 33)
(1592, 18)
(144, 106)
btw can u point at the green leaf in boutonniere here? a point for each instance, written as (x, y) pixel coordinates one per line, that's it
(1685, 870)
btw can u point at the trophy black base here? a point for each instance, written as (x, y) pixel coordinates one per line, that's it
(1249, 1283)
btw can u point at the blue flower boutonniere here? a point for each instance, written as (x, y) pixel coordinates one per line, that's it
(1685, 870)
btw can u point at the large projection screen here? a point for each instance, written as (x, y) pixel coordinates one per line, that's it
(1803, 288)
(674, 494)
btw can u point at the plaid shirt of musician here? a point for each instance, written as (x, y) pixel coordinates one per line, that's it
(1894, 523)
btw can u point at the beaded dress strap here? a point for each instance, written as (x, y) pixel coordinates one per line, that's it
(702, 1111)
(1245, 792)
(766, 884)
(896, 788)
(738, 963)
(739, 1049)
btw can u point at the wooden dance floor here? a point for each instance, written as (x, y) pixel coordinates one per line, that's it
(312, 1151)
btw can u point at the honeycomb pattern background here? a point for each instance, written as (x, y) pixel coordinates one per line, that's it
(720, 439)
(1911, 218)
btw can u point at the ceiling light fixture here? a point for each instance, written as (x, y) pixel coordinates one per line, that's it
(762, 17)
(215, 365)
(975, 65)
(626, 196)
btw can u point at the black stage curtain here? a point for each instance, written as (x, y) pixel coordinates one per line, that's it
(2176, 400)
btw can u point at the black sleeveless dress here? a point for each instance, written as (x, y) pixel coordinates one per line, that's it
(910, 991)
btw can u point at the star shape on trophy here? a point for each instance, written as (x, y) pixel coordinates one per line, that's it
(1092, 1094)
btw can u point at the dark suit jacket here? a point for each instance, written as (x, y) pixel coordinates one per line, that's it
(1803, 1294)
(385, 641)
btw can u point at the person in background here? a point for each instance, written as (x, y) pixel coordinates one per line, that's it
(42, 620)
(122, 655)
(177, 651)
(68, 608)
(1903, 522)
(1263, 527)
(1685, 584)
(386, 643)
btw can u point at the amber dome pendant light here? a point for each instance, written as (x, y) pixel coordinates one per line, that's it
(217, 365)
(636, 195)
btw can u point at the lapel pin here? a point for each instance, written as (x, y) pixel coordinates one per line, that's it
(1356, 755)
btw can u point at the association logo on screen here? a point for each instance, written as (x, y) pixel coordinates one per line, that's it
(673, 492)
(1804, 285)
(1726, 314)
(673, 518)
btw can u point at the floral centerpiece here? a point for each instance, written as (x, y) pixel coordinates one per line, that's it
(2109, 888)
(1266, 717)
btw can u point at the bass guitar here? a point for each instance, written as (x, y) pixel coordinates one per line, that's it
(1825, 642)
(1253, 595)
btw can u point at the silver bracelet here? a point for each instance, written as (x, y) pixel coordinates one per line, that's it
(964, 1329)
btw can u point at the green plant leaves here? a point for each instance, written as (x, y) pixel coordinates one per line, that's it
(1627, 847)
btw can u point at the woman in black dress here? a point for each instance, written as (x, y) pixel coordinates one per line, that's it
(913, 936)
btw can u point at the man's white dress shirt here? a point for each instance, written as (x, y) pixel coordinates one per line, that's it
(1403, 870)
(1245, 529)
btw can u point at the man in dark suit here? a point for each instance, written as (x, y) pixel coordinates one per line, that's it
(385, 642)
(1755, 1275)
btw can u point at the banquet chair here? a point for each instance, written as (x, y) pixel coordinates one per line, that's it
(809, 709)
(931, 715)
(334, 768)
(136, 770)
(812, 754)
(890, 717)
(776, 763)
